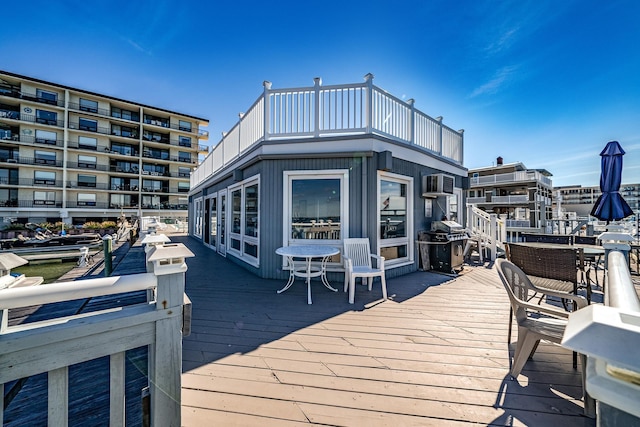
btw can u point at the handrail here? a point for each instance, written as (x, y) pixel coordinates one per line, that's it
(324, 111)
(620, 292)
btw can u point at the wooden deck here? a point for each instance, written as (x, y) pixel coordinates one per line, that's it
(434, 354)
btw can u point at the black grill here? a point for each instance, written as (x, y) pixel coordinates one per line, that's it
(446, 246)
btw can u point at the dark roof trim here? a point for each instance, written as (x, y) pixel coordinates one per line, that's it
(100, 95)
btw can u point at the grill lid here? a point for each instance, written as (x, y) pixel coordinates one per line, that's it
(449, 227)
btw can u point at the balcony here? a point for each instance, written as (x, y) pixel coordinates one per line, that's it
(31, 161)
(75, 185)
(13, 92)
(515, 199)
(30, 203)
(510, 178)
(87, 204)
(90, 166)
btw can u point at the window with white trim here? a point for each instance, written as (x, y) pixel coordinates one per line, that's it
(315, 206)
(395, 218)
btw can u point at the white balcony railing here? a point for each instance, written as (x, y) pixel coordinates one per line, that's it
(324, 111)
(54, 345)
(509, 178)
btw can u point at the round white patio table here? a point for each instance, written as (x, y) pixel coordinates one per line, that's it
(308, 252)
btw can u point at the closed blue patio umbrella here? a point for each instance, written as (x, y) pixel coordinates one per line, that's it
(610, 206)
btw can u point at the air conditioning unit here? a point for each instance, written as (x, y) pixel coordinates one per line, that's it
(437, 185)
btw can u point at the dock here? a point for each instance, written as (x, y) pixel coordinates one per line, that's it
(434, 354)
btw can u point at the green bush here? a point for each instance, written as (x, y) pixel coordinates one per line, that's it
(109, 224)
(92, 225)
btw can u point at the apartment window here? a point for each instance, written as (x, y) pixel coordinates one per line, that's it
(151, 202)
(46, 117)
(9, 176)
(44, 197)
(44, 177)
(151, 185)
(120, 113)
(155, 136)
(157, 121)
(86, 199)
(124, 149)
(125, 184)
(184, 157)
(184, 172)
(88, 105)
(87, 162)
(45, 157)
(153, 170)
(121, 166)
(46, 137)
(183, 187)
(87, 124)
(184, 126)
(47, 97)
(87, 143)
(87, 181)
(316, 205)
(123, 201)
(125, 131)
(395, 217)
(9, 197)
(156, 153)
(184, 141)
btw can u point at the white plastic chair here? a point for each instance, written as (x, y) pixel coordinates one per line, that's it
(357, 261)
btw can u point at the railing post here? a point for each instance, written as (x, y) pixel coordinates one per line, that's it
(317, 82)
(108, 248)
(165, 355)
(493, 229)
(240, 116)
(439, 136)
(368, 104)
(267, 109)
(411, 121)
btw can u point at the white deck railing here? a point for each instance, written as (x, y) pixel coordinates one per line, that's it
(487, 229)
(54, 345)
(324, 111)
(512, 177)
(609, 335)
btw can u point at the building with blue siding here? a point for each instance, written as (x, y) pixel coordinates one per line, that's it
(320, 164)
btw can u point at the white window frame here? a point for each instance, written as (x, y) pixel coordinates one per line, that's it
(241, 237)
(197, 223)
(288, 177)
(409, 239)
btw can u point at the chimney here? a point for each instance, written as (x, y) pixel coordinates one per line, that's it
(499, 161)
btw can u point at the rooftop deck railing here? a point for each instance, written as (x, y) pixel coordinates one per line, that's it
(508, 178)
(325, 111)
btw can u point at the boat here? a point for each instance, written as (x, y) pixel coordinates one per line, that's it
(44, 238)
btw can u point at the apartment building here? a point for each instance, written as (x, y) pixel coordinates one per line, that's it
(579, 199)
(73, 155)
(523, 196)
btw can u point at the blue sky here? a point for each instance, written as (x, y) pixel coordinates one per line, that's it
(547, 83)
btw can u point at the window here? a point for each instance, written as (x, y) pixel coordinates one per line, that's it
(184, 141)
(44, 197)
(316, 205)
(184, 172)
(88, 105)
(243, 221)
(155, 136)
(125, 131)
(156, 153)
(125, 184)
(119, 113)
(46, 137)
(45, 157)
(124, 149)
(86, 199)
(184, 126)
(87, 143)
(123, 201)
(87, 181)
(151, 202)
(47, 97)
(153, 169)
(87, 162)
(183, 187)
(44, 177)
(157, 121)
(151, 185)
(87, 124)
(184, 157)
(46, 117)
(395, 218)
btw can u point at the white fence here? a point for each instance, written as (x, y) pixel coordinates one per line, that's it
(323, 111)
(54, 345)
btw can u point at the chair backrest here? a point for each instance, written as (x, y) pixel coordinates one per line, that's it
(560, 239)
(357, 250)
(585, 240)
(550, 263)
(516, 283)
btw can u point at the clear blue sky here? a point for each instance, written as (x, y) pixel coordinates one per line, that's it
(543, 82)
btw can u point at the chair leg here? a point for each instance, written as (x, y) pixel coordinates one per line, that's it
(352, 289)
(527, 342)
(370, 283)
(384, 287)
(346, 280)
(589, 402)
(510, 326)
